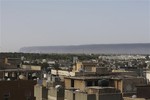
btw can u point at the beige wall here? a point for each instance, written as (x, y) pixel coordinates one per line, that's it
(148, 77)
(115, 96)
(100, 70)
(67, 83)
(69, 95)
(86, 66)
(84, 96)
(77, 66)
(31, 67)
(40, 92)
(127, 98)
(118, 85)
(62, 73)
(79, 84)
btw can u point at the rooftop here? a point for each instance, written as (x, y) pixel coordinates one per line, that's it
(98, 87)
(88, 77)
(16, 70)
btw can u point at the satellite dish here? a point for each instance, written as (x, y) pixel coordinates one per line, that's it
(34, 75)
(8, 79)
(58, 87)
(134, 96)
(22, 77)
(77, 90)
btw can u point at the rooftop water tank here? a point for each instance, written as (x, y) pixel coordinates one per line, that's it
(103, 83)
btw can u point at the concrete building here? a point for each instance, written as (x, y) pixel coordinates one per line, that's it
(148, 77)
(83, 69)
(31, 67)
(17, 90)
(9, 63)
(143, 91)
(94, 93)
(49, 91)
(90, 93)
(40, 92)
(82, 82)
(127, 85)
(12, 74)
(86, 66)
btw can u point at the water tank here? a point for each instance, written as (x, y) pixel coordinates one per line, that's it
(22, 77)
(103, 83)
(58, 87)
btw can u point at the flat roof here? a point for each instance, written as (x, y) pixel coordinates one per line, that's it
(20, 70)
(101, 77)
(88, 77)
(142, 85)
(98, 87)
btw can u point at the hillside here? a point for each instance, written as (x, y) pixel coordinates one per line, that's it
(138, 48)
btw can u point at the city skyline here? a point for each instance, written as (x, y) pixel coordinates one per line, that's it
(64, 22)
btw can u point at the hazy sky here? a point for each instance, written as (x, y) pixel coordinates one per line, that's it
(72, 22)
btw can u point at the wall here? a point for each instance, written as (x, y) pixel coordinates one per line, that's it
(143, 91)
(79, 84)
(148, 77)
(84, 96)
(69, 95)
(17, 90)
(40, 92)
(127, 85)
(116, 96)
(62, 73)
(127, 98)
(100, 70)
(31, 67)
(131, 83)
(56, 94)
(78, 66)
(67, 83)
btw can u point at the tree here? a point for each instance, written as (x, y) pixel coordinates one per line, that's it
(147, 57)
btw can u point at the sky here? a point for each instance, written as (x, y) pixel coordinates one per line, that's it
(72, 22)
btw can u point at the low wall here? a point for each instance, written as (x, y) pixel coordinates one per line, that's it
(84, 96)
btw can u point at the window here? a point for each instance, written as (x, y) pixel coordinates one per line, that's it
(72, 83)
(6, 96)
(28, 95)
(96, 83)
(89, 83)
(28, 98)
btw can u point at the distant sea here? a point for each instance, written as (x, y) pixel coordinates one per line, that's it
(134, 48)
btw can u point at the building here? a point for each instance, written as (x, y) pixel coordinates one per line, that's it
(143, 91)
(9, 63)
(17, 90)
(83, 69)
(52, 89)
(48, 93)
(12, 74)
(94, 93)
(86, 66)
(127, 85)
(32, 67)
(82, 82)
(148, 77)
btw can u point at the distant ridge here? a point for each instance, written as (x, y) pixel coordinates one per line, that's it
(134, 48)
